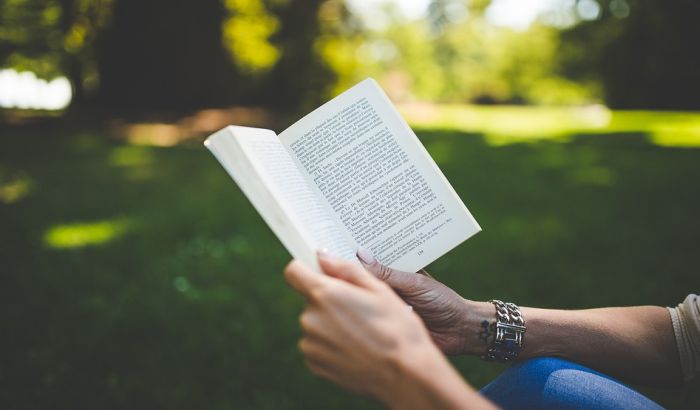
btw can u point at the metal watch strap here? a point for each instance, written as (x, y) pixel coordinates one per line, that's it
(510, 332)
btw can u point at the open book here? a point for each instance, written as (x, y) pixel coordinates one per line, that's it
(351, 173)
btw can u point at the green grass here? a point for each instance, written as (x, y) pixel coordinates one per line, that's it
(512, 124)
(140, 277)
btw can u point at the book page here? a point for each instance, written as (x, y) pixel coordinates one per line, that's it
(378, 179)
(266, 173)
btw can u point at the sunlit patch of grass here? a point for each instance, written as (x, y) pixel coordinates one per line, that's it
(502, 125)
(15, 189)
(162, 135)
(130, 156)
(136, 161)
(81, 234)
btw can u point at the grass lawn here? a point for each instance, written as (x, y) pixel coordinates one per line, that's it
(140, 277)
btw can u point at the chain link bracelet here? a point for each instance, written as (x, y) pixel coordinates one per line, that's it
(510, 332)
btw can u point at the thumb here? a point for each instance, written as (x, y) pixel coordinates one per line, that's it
(346, 270)
(398, 280)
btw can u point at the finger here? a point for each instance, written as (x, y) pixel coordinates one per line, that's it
(303, 279)
(397, 279)
(321, 370)
(346, 270)
(331, 373)
(317, 349)
(317, 359)
(314, 327)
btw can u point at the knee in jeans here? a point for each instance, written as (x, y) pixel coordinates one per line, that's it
(553, 383)
(525, 379)
(540, 368)
(528, 378)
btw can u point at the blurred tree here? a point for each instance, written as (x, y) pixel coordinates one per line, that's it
(644, 53)
(247, 32)
(174, 56)
(52, 38)
(457, 56)
(181, 55)
(165, 56)
(305, 72)
(341, 34)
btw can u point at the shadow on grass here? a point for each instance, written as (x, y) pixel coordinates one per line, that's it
(185, 307)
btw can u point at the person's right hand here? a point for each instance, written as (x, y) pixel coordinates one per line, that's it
(359, 334)
(453, 322)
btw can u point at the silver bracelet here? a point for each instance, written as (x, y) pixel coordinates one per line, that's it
(510, 332)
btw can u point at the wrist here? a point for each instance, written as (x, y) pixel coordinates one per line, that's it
(509, 333)
(477, 335)
(426, 379)
(405, 367)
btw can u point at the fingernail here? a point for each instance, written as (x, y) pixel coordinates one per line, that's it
(324, 253)
(365, 255)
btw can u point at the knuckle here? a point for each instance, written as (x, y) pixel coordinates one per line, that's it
(385, 272)
(421, 281)
(314, 368)
(319, 294)
(325, 293)
(303, 346)
(306, 321)
(289, 269)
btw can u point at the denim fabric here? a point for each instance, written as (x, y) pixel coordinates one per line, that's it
(550, 383)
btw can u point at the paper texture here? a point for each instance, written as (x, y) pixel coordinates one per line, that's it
(263, 169)
(377, 179)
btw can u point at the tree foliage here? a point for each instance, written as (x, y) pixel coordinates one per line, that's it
(53, 37)
(173, 56)
(164, 55)
(456, 56)
(643, 53)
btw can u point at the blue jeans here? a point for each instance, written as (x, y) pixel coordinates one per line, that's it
(550, 383)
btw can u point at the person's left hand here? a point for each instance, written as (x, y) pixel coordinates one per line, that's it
(357, 332)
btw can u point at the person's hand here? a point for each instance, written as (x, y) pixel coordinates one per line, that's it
(359, 334)
(453, 322)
